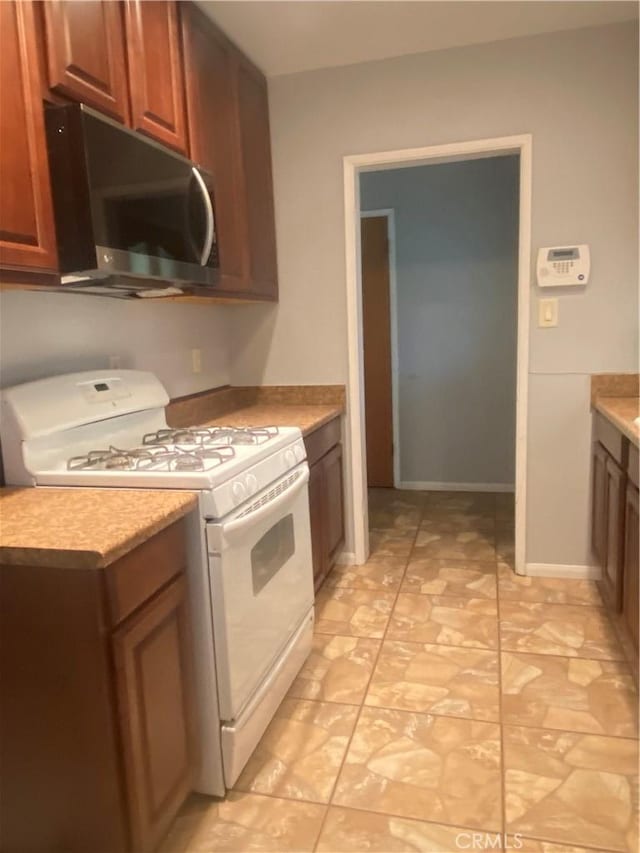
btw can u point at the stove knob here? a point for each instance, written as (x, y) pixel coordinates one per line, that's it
(238, 491)
(251, 482)
(299, 453)
(289, 458)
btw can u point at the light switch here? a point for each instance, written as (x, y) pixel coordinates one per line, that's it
(547, 313)
(196, 360)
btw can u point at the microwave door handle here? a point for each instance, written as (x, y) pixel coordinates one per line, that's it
(211, 228)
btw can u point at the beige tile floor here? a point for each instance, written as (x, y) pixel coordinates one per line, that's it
(447, 705)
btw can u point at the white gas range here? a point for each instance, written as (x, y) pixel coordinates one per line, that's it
(249, 546)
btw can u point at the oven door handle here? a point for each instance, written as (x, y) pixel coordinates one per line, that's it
(266, 509)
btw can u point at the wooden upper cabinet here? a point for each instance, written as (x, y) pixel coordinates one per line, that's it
(209, 61)
(27, 234)
(86, 54)
(255, 146)
(156, 80)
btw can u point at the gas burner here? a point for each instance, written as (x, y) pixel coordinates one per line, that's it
(210, 436)
(156, 457)
(185, 436)
(254, 435)
(188, 462)
(242, 435)
(113, 458)
(178, 459)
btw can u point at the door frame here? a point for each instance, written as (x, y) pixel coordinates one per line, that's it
(390, 215)
(353, 166)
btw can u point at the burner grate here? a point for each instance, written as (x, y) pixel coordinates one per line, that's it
(211, 436)
(156, 457)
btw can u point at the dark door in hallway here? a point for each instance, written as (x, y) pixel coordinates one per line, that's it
(376, 323)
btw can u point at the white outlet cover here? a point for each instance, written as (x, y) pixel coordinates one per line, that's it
(196, 360)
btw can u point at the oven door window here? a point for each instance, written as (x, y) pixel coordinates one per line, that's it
(272, 552)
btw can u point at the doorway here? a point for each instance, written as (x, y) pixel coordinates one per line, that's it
(354, 166)
(379, 323)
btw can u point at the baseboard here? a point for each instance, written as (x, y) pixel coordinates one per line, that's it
(561, 570)
(434, 486)
(346, 558)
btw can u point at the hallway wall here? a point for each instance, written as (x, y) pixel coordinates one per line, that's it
(456, 269)
(576, 92)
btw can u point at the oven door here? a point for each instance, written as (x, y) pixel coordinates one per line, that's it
(261, 586)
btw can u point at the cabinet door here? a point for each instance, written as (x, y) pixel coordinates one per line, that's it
(599, 504)
(332, 464)
(153, 684)
(255, 141)
(612, 574)
(155, 71)
(86, 54)
(631, 589)
(27, 234)
(214, 141)
(317, 503)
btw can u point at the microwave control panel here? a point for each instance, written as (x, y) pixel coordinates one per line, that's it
(563, 266)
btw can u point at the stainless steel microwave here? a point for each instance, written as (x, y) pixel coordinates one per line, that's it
(126, 207)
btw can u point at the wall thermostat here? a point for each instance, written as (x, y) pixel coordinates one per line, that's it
(563, 266)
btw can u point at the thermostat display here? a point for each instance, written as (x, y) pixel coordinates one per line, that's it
(563, 266)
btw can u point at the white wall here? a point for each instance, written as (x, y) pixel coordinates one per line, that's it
(42, 334)
(576, 93)
(457, 281)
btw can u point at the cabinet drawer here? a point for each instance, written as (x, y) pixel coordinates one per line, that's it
(609, 437)
(321, 440)
(633, 464)
(140, 574)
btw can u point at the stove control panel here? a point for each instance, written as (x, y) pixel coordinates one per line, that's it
(104, 390)
(229, 495)
(244, 488)
(238, 490)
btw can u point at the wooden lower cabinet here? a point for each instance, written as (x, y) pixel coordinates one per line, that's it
(612, 566)
(334, 487)
(614, 530)
(97, 743)
(319, 551)
(599, 501)
(326, 498)
(631, 568)
(153, 667)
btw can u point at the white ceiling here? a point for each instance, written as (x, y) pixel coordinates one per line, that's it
(285, 37)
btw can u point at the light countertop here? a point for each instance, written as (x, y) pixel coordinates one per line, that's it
(621, 412)
(307, 417)
(91, 528)
(83, 528)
